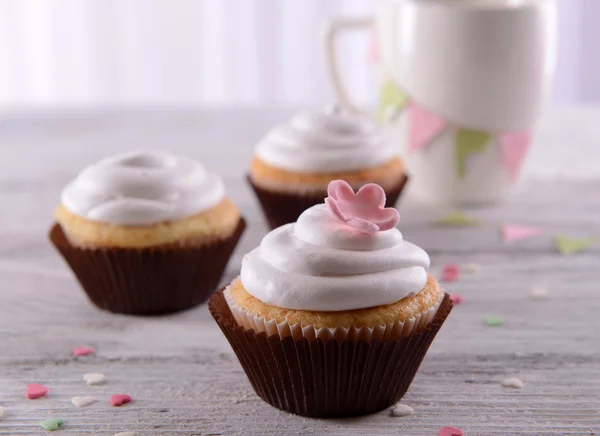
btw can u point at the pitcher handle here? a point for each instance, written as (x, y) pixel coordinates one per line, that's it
(334, 27)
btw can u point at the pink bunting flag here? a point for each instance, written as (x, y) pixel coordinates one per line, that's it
(373, 53)
(514, 146)
(424, 126)
(513, 233)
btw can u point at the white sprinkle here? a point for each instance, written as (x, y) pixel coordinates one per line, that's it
(512, 383)
(82, 401)
(471, 267)
(539, 293)
(126, 433)
(94, 378)
(402, 410)
(1, 411)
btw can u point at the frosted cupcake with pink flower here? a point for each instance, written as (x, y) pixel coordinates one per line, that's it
(332, 315)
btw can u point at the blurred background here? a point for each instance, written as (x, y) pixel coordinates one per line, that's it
(265, 53)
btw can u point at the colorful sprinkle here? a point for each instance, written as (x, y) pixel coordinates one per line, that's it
(450, 431)
(82, 401)
(402, 410)
(450, 272)
(471, 267)
(94, 378)
(512, 383)
(539, 293)
(35, 390)
(456, 298)
(493, 321)
(458, 219)
(51, 424)
(119, 399)
(566, 245)
(83, 351)
(126, 433)
(513, 233)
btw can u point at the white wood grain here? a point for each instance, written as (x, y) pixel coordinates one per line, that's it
(180, 370)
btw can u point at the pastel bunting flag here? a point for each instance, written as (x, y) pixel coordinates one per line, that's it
(373, 49)
(392, 100)
(424, 126)
(467, 142)
(514, 146)
(513, 233)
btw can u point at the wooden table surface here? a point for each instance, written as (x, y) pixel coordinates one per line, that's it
(181, 372)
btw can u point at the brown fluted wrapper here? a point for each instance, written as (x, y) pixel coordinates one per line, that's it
(148, 281)
(327, 379)
(285, 207)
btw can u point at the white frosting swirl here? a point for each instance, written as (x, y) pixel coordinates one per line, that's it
(321, 264)
(326, 142)
(142, 188)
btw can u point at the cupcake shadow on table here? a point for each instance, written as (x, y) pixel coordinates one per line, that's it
(332, 316)
(294, 162)
(146, 233)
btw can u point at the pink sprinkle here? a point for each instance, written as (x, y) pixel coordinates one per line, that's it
(119, 399)
(83, 351)
(450, 431)
(35, 390)
(450, 272)
(456, 298)
(513, 233)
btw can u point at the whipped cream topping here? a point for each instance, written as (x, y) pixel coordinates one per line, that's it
(326, 142)
(321, 264)
(142, 188)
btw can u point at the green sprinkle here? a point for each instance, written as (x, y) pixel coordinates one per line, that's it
(458, 219)
(493, 321)
(51, 424)
(566, 245)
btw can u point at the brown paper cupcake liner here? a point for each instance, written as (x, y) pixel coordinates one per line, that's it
(327, 379)
(285, 207)
(148, 281)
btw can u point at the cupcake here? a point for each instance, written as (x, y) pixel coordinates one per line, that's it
(146, 232)
(332, 316)
(294, 162)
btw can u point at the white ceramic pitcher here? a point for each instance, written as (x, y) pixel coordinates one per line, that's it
(470, 78)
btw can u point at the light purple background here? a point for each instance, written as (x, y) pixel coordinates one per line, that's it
(578, 72)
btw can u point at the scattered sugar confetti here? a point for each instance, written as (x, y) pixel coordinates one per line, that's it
(83, 351)
(51, 424)
(450, 272)
(402, 410)
(35, 390)
(82, 401)
(94, 378)
(471, 267)
(514, 233)
(456, 298)
(493, 321)
(119, 399)
(459, 219)
(539, 292)
(450, 431)
(566, 245)
(126, 433)
(512, 383)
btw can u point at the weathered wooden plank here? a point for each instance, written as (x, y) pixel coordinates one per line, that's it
(180, 370)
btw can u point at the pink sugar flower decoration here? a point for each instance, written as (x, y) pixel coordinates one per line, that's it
(365, 211)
